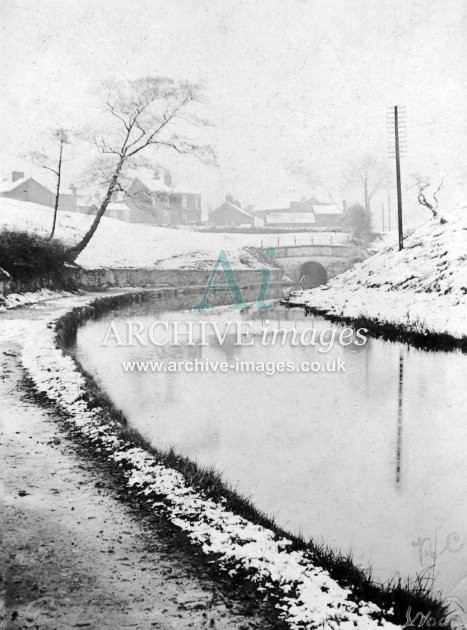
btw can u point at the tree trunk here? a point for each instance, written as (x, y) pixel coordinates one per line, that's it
(75, 251)
(57, 194)
(367, 199)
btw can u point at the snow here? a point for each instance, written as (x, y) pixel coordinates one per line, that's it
(291, 217)
(117, 205)
(125, 245)
(14, 300)
(308, 596)
(152, 183)
(117, 244)
(326, 209)
(8, 185)
(423, 288)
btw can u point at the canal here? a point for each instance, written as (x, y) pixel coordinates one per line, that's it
(370, 460)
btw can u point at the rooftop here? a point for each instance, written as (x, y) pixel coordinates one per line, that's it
(328, 208)
(291, 217)
(7, 185)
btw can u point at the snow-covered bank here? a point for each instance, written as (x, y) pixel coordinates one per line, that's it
(308, 596)
(15, 300)
(421, 289)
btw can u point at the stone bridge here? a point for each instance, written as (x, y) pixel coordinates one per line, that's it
(313, 265)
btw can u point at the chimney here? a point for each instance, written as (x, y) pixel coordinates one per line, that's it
(72, 188)
(15, 175)
(156, 175)
(344, 205)
(168, 179)
(229, 198)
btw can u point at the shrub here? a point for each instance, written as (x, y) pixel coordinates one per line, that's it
(26, 255)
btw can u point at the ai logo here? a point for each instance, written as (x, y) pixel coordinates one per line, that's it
(232, 284)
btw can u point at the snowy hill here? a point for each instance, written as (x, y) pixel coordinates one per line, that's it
(422, 288)
(119, 244)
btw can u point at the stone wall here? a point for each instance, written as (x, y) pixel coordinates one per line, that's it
(97, 279)
(103, 278)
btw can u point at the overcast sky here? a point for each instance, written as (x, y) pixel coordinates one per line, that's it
(292, 86)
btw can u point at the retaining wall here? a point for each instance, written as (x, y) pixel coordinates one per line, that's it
(74, 278)
(103, 278)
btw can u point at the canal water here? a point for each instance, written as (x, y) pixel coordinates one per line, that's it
(371, 460)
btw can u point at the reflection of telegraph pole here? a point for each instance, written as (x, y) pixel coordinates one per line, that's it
(389, 211)
(396, 124)
(400, 401)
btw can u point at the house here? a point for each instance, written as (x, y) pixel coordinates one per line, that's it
(290, 219)
(118, 210)
(328, 214)
(153, 199)
(29, 189)
(150, 199)
(230, 214)
(304, 213)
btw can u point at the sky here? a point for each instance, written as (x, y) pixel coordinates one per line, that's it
(295, 89)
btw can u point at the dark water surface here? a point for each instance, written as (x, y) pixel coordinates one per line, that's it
(373, 459)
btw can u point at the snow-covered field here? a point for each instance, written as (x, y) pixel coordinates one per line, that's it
(422, 288)
(119, 244)
(308, 596)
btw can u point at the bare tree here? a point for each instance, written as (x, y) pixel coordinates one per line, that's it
(60, 137)
(358, 219)
(433, 203)
(368, 173)
(147, 113)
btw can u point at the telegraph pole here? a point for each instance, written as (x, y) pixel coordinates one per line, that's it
(398, 177)
(396, 124)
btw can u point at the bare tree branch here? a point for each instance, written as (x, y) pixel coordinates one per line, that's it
(61, 137)
(145, 109)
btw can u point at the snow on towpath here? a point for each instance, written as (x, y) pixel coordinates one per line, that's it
(73, 554)
(422, 288)
(307, 596)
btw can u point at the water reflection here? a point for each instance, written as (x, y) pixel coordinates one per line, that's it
(400, 399)
(366, 460)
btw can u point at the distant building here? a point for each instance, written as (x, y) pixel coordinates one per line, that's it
(328, 215)
(29, 189)
(154, 199)
(230, 214)
(149, 199)
(291, 219)
(305, 213)
(118, 210)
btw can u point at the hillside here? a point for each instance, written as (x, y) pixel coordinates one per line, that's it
(119, 244)
(422, 289)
